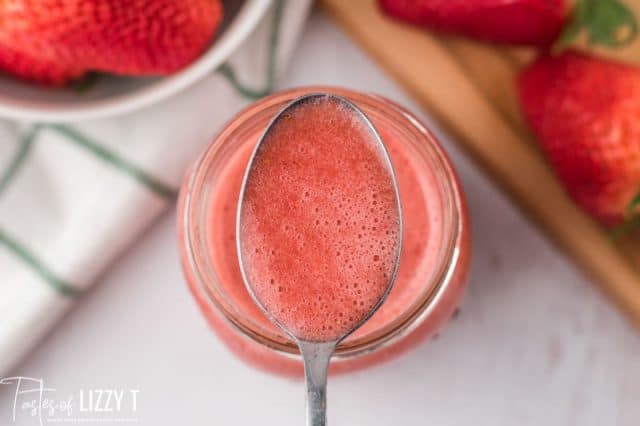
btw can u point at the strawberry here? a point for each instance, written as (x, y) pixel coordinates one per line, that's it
(53, 41)
(585, 112)
(37, 69)
(524, 22)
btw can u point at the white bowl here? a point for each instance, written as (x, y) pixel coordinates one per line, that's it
(117, 95)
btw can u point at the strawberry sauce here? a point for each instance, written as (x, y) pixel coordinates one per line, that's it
(320, 222)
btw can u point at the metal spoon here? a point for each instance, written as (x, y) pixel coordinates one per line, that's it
(317, 354)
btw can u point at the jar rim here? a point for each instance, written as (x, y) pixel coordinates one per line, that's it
(350, 347)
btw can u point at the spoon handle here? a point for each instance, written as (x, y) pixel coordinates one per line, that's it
(316, 356)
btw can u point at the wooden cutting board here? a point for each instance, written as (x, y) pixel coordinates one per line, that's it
(469, 87)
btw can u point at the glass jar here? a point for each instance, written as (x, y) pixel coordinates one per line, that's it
(434, 261)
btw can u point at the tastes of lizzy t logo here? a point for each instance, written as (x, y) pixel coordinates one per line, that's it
(37, 404)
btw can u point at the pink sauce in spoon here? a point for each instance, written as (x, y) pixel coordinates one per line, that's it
(319, 222)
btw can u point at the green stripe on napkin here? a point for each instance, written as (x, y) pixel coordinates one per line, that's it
(18, 159)
(29, 259)
(229, 73)
(115, 160)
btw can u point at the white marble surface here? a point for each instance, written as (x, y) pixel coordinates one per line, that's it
(534, 344)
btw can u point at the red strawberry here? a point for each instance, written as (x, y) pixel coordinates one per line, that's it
(527, 22)
(39, 70)
(586, 114)
(132, 37)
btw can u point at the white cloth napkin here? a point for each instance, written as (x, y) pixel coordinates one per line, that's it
(73, 196)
